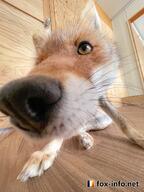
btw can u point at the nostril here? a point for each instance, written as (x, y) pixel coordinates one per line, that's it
(37, 108)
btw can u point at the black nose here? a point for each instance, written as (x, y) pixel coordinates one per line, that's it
(30, 100)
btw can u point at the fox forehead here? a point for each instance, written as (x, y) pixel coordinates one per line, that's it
(58, 53)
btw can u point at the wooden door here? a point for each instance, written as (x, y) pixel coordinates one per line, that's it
(17, 24)
(18, 21)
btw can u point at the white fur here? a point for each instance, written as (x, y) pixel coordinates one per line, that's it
(78, 110)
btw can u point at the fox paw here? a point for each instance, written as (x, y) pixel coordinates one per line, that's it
(86, 140)
(36, 165)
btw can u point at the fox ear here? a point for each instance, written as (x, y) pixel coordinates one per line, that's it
(40, 38)
(38, 42)
(90, 15)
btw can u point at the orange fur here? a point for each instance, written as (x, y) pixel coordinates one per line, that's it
(58, 56)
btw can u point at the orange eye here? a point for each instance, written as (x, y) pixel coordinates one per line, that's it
(84, 48)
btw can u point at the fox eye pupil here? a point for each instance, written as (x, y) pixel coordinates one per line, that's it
(84, 48)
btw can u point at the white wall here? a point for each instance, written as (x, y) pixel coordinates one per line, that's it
(129, 71)
(112, 7)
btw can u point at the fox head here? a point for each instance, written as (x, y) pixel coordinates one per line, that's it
(74, 67)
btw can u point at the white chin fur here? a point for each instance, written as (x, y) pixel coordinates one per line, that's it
(78, 110)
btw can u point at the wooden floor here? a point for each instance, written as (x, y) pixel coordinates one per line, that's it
(112, 158)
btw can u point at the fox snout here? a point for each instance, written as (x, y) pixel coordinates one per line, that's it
(30, 101)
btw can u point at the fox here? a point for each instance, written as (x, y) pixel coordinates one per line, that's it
(65, 93)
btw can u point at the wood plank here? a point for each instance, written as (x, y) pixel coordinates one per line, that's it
(112, 158)
(68, 12)
(17, 52)
(136, 100)
(64, 12)
(32, 7)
